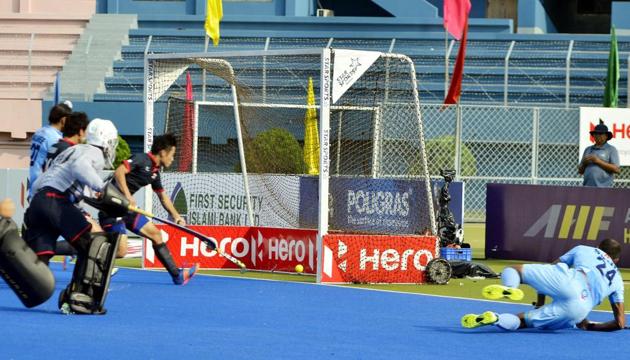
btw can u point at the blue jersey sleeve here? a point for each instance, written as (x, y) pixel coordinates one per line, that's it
(569, 257)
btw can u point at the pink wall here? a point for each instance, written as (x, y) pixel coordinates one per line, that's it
(57, 25)
(22, 118)
(14, 155)
(67, 7)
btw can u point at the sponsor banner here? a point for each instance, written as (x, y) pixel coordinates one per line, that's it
(541, 223)
(219, 199)
(347, 258)
(268, 249)
(618, 122)
(376, 205)
(134, 248)
(348, 67)
(376, 258)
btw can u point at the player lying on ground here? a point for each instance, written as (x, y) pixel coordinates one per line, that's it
(577, 282)
(52, 212)
(132, 175)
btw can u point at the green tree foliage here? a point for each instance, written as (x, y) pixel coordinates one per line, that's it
(123, 152)
(441, 155)
(275, 151)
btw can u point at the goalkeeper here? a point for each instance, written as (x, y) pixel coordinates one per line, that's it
(133, 174)
(576, 282)
(52, 212)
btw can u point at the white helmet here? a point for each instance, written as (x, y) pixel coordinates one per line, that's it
(103, 133)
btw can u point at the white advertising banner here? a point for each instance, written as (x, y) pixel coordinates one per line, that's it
(348, 67)
(618, 122)
(219, 199)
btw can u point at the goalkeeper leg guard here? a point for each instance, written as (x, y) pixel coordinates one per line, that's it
(29, 278)
(92, 272)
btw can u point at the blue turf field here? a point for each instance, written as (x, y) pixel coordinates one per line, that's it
(230, 318)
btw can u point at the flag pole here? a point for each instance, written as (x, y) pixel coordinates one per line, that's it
(445, 61)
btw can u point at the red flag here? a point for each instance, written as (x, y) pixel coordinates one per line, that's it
(186, 146)
(456, 16)
(455, 90)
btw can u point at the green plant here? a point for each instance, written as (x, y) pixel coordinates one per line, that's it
(275, 151)
(441, 155)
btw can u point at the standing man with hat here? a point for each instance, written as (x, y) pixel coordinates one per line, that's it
(600, 161)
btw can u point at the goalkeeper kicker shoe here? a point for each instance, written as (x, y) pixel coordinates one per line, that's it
(495, 292)
(472, 321)
(185, 275)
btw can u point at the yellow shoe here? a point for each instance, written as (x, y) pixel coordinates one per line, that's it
(472, 321)
(495, 292)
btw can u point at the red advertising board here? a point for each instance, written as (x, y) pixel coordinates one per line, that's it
(377, 258)
(347, 258)
(269, 249)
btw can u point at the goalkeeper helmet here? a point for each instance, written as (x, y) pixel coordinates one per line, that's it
(103, 134)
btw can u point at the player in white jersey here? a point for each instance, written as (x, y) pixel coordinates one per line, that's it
(577, 282)
(52, 212)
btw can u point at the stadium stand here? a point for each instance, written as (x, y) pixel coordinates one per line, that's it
(537, 65)
(36, 36)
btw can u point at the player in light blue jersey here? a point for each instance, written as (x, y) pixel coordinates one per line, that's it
(44, 139)
(577, 282)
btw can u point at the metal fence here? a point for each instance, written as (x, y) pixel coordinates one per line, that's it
(495, 144)
(554, 73)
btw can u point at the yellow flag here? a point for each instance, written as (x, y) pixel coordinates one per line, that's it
(311, 136)
(214, 14)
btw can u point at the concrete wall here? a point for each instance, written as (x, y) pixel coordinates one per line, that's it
(533, 18)
(198, 7)
(620, 17)
(76, 7)
(478, 9)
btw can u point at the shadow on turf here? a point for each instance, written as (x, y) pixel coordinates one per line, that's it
(485, 330)
(42, 311)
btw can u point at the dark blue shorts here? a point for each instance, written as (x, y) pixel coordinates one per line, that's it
(131, 221)
(50, 215)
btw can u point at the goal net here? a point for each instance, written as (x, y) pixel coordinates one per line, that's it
(323, 139)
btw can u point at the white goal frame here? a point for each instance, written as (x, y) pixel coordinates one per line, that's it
(325, 107)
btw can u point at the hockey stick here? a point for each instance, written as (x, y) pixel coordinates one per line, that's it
(201, 236)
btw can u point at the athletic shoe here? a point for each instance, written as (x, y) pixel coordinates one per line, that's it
(495, 292)
(185, 275)
(472, 321)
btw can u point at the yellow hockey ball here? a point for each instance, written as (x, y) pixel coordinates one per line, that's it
(299, 268)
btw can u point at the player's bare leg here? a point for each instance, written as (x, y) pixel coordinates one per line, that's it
(122, 247)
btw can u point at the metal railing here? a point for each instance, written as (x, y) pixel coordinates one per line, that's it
(553, 73)
(497, 144)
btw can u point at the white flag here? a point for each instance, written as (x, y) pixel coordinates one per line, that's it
(348, 68)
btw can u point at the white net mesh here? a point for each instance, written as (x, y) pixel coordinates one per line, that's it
(378, 181)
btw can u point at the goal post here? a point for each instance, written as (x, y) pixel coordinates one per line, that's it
(252, 135)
